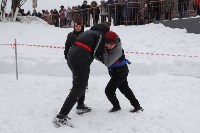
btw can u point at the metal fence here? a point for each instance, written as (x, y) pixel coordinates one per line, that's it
(131, 13)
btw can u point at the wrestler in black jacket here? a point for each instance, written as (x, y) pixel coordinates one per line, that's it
(79, 59)
(71, 38)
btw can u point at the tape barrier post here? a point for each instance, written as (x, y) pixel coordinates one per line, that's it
(16, 59)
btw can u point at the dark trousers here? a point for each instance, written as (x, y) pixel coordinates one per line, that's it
(79, 61)
(103, 18)
(119, 80)
(81, 100)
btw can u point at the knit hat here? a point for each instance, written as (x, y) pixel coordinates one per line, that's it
(77, 22)
(111, 37)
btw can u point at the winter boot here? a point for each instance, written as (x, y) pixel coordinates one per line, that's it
(114, 109)
(137, 109)
(61, 120)
(81, 109)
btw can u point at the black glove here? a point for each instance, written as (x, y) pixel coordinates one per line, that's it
(65, 54)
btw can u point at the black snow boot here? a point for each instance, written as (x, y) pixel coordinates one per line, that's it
(137, 109)
(61, 120)
(114, 109)
(81, 109)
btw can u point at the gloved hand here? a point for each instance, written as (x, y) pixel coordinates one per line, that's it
(66, 57)
(65, 54)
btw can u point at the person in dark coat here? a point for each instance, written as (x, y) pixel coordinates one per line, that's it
(116, 62)
(34, 13)
(95, 11)
(71, 38)
(55, 17)
(182, 7)
(88, 46)
(85, 8)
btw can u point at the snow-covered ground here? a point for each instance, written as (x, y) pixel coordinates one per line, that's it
(164, 75)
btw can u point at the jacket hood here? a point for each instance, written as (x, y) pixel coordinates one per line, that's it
(103, 27)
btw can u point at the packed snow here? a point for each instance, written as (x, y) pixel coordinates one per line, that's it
(164, 76)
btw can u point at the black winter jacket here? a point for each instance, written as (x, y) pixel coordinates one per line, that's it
(71, 38)
(95, 39)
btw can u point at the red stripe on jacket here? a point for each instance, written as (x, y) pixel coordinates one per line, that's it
(83, 45)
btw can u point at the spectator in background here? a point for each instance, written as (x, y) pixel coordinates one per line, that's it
(28, 13)
(69, 16)
(196, 6)
(39, 15)
(103, 11)
(154, 8)
(126, 12)
(182, 7)
(21, 11)
(43, 12)
(34, 13)
(76, 13)
(95, 11)
(111, 10)
(51, 17)
(72, 36)
(85, 8)
(48, 17)
(65, 20)
(62, 16)
(55, 17)
(118, 12)
(169, 5)
(135, 6)
(142, 15)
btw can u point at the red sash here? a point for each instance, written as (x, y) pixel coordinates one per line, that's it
(83, 45)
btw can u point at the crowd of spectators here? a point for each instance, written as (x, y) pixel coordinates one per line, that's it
(118, 12)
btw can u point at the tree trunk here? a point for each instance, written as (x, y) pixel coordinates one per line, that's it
(3, 9)
(1, 16)
(15, 4)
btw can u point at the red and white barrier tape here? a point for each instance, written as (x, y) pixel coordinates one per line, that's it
(158, 54)
(138, 53)
(43, 46)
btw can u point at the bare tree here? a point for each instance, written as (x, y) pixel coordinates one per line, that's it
(2, 9)
(16, 5)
